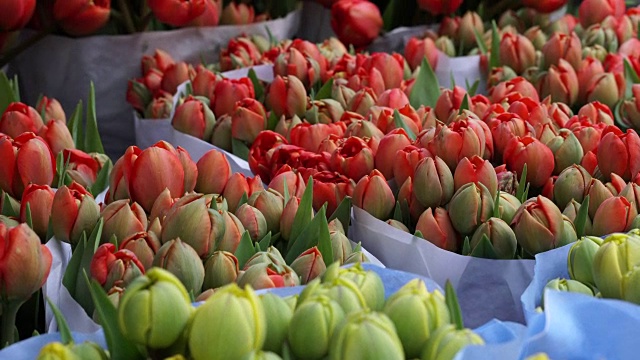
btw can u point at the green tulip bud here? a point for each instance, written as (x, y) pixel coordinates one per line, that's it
(278, 314)
(356, 257)
(340, 246)
(470, 206)
(366, 335)
(369, 284)
(239, 325)
(499, 234)
(312, 326)
(580, 259)
(567, 285)
(447, 341)
(508, 205)
(270, 256)
(220, 269)
(416, 314)
(631, 285)
(342, 290)
(154, 309)
(57, 351)
(618, 254)
(89, 351)
(181, 259)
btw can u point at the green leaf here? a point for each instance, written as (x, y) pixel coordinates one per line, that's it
(7, 96)
(452, 304)
(92, 142)
(272, 121)
(243, 200)
(471, 90)
(581, 217)
(324, 242)
(245, 249)
(76, 128)
(214, 203)
(272, 39)
(452, 80)
(406, 213)
(309, 236)
(465, 104)
(15, 86)
(397, 212)
(426, 89)
(50, 231)
(325, 90)
(631, 77)
(102, 180)
(343, 212)
(120, 347)
(466, 246)
(523, 186)
(419, 234)
(63, 328)
(399, 122)
(480, 42)
(496, 205)
(358, 247)
(7, 209)
(266, 241)
(257, 85)
(28, 217)
(494, 58)
(303, 216)
(240, 149)
(484, 249)
(389, 15)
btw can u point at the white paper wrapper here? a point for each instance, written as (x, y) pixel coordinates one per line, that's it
(75, 315)
(263, 72)
(396, 39)
(486, 288)
(63, 67)
(465, 69)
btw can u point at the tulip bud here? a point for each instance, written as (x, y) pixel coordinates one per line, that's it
(538, 225)
(278, 315)
(25, 159)
(122, 220)
(183, 261)
(508, 205)
(368, 282)
(366, 335)
(144, 245)
(271, 256)
(614, 214)
(318, 309)
(253, 220)
(248, 119)
(606, 88)
(414, 301)
(538, 157)
(154, 310)
(194, 117)
(266, 276)
(618, 153)
(241, 325)
(38, 198)
(232, 234)
(594, 11)
(433, 182)
(436, 227)
(470, 23)
(287, 96)
(340, 246)
(562, 46)
(114, 268)
(501, 236)
(572, 183)
(469, 207)
(271, 205)
(220, 269)
(580, 259)
(51, 108)
(344, 291)
(309, 265)
(476, 170)
(354, 158)
(567, 285)
(517, 52)
(373, 194)
(447, 341)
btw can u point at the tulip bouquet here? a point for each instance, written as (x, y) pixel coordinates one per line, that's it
(363, 319)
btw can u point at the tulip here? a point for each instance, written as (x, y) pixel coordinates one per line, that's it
(38, 198)
(191, 220)
(86, 350)
(265, 276)
(362, 101)
(616, 257)
(286, 96)
(437, 7)
(210, 16)
(418, 49)
(447, 341)
(594, 11)
(503, 128)
(271, 205)
(309, 265)
(517, 52)
(597, 113)
(310, 136)
(470, 206)
(122, 220)
(271, 256)
(73, 211)
(572, 183)
(154, 310)
(220, 269)
(26, 159)
(326, 314)
(356, 22)
(618, 153)
(449, 102)
(631, 108)
(368, 282)
(325, 111)
(340, 246)
(330, 188)
(354, 158)
(561, 83)
(229, 91)
(81, 167)
(470, 23)
(606, 88)
(57, 136)
(433, 182)
(614, 214)
(144, 245)
(292, 180)
(538, 225)
(177, 12)
(598, 193)
(112, 267)
(546, 6)
(278, 315)
(567, 285)
(512, 90)
(580, 259)
(183, 261)
(589, 68)
(390, 67)
(195, 118)
(508, 205)
(205, 81)
(366, 335)
(373, 194)
(248, 119)
(567, 150)
(436, 227)
(475, 170)
(213, 172)
(51, 108)
(237, 14)
(562, 46)
(413, 301)
(241, 325)
(17, 14)
(232, 234)
(500, 235)
(293, 62)
(342, 290)
(81, 17)
(530, 151)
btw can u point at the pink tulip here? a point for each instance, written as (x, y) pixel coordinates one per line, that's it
(619, 153)
(435, 226)
(19, 118)
(594, 11)
(26, 159)
(529, 150)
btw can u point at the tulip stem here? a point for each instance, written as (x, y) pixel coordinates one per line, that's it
(126, 15)
(9, 312)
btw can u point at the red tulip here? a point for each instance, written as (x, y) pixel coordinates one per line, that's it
(589, 68)
(175, 74)
(513, 90)
(517, 52)
(294, 182)
(213, 172)
(144, 245)
(606, 88)
(15, 14)
(194, 117)
(615, 214)
(449, 103)
(354, 158)
(435, 226)
(504, 127)
(562, 46)
(309, 136)
(418, 49)
(356, 22)
(39, 199)
(330, 188)
(437, 7)
(248, 120)
(529, 150)
(292, 62)
(544, 6)
(25, 263)
(561, 83)
(26, 159)
(619, 153)
(594, 11)
(73, 211)
(160, 60)
(475, 170)
(57, 135)
(237, 14)
(82, 17)
(373, 194)
(406, 195)
(385, 156)
(461, 138)
(406, 161)
(240, 52)
(177, 12)
(259, 154)
(51, 108)
(238, 185)
(211, 14)
(19, 118)
(112, 267)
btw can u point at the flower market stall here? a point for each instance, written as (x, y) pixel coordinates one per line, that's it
(327, 179)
